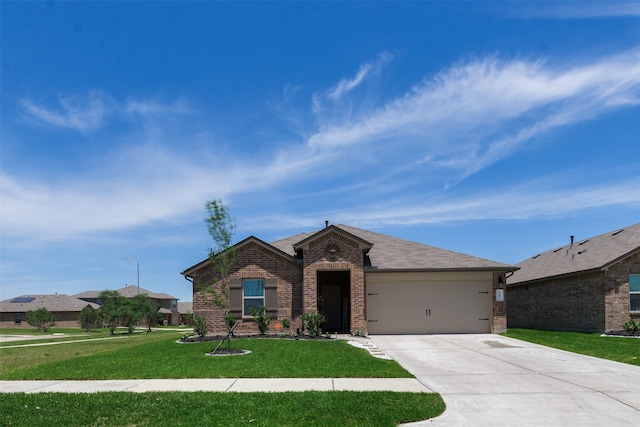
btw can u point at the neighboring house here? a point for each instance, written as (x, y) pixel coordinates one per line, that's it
(361, 281)
(591, 285)
(185, 309)
(168, 304)
(65, 308)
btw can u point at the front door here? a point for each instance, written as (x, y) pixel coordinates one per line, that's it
(333, 300)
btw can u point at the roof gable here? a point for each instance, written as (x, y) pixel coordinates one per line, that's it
(593, 253)
(249, 240)
(391, 253)
(306, 242)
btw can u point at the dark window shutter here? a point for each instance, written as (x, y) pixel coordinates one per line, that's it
(235, 297)
(271, 296)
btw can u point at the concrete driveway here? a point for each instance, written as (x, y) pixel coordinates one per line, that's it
(491, 380)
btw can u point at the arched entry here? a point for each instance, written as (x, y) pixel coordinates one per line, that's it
(334, 289)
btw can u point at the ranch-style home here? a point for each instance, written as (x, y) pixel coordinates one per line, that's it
(167, 304)
(360, 281)
(588, 285)
(65, 309)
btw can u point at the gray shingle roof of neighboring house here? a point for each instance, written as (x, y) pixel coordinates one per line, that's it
(128, 292)
(594, 253)
(53, 303)
(185, 307)
(391, 253)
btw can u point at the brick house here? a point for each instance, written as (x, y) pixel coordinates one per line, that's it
(592, 285)
(65, 309)
(359, 280)
(167, 304)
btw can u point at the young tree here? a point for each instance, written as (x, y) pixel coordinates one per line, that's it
(221, 226)
(111, 308)
(147, 309)
(88, 318)
(130, 316)
(41, 318)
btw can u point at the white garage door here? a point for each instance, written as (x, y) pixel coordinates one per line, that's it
(413, 303)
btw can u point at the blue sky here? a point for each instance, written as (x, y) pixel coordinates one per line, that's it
(496, 129)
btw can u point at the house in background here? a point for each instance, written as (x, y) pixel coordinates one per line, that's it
(168, 304)
(360, 281)
(591, 285)
(65, 308)
(185, 309)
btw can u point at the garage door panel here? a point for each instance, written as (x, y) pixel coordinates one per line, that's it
(413, 307)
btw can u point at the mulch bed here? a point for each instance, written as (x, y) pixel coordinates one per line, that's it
(266, 336)
(623, 333)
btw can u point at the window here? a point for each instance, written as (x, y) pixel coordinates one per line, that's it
(252, 295)
(18, 318)
(634, 292)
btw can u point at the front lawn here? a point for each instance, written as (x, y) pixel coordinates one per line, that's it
(625, 350)
(157, 355)
(211, 409)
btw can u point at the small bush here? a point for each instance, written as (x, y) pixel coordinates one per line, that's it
(631, 326)
(312, 322)
(261, 318)
(41, 318)
(200, 326)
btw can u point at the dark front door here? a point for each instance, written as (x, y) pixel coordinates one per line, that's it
(333, 300)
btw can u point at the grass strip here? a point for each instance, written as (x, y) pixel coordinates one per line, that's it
(625, 350)
(230, 409)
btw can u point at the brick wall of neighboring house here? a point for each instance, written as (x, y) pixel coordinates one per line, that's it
(572, 303)
(253, 261)
(333, 252)
(591, 302)
(67, 319)
(499, 320)
(616, 287)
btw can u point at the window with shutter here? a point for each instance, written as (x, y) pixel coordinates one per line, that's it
(252, 295)
(271, 296)
(235, 297)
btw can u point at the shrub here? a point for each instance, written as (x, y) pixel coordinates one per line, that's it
(199, 326)
(261, 318)
(631, 326)
(286, 323)
(88, 318)
(41, 318)
(312, 322)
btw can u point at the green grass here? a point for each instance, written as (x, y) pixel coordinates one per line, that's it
(157, 355)
(212, 409)
(625, 350)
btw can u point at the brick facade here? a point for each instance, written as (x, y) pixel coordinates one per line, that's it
(331, 264)
(252, 261)
(594, 301)
(334, 252)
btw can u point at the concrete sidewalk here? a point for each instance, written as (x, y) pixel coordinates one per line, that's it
(216, 385)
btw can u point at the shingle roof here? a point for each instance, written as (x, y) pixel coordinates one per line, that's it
(128, 292)
(185, 307)
(588, 254)
(53, 303)
(391, 253)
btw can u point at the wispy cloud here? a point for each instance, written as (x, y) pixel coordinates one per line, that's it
(579, 9)
(459, 122)
(85, 113)
(338, 91)
(478, 112)
(80, 113)
(512, 203)
(346, 85)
